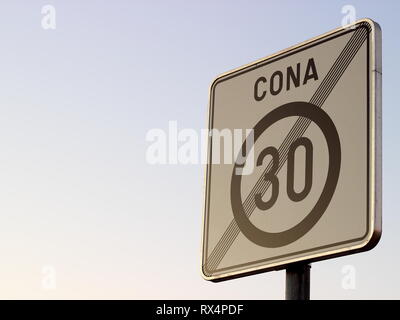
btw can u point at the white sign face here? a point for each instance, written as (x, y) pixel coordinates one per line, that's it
(304, 183)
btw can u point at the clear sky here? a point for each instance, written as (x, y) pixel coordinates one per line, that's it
(77, 196)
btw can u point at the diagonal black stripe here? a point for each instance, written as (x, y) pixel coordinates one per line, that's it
(232, 230)
(249, 203)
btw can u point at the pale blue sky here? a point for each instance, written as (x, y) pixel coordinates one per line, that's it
(76, 192)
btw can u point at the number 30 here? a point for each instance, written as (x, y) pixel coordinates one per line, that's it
(271, 175)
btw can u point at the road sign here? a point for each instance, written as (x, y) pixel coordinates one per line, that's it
(305, 182)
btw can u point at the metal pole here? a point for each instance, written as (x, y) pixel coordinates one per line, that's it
(298, 281)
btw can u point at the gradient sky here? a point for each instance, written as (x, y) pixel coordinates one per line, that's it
(76, 192)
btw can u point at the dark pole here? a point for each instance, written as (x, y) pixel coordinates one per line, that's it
(298, 281)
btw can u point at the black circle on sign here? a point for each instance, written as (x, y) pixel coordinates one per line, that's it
(279, 239)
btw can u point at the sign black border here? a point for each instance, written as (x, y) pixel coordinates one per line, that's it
(369, 245)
